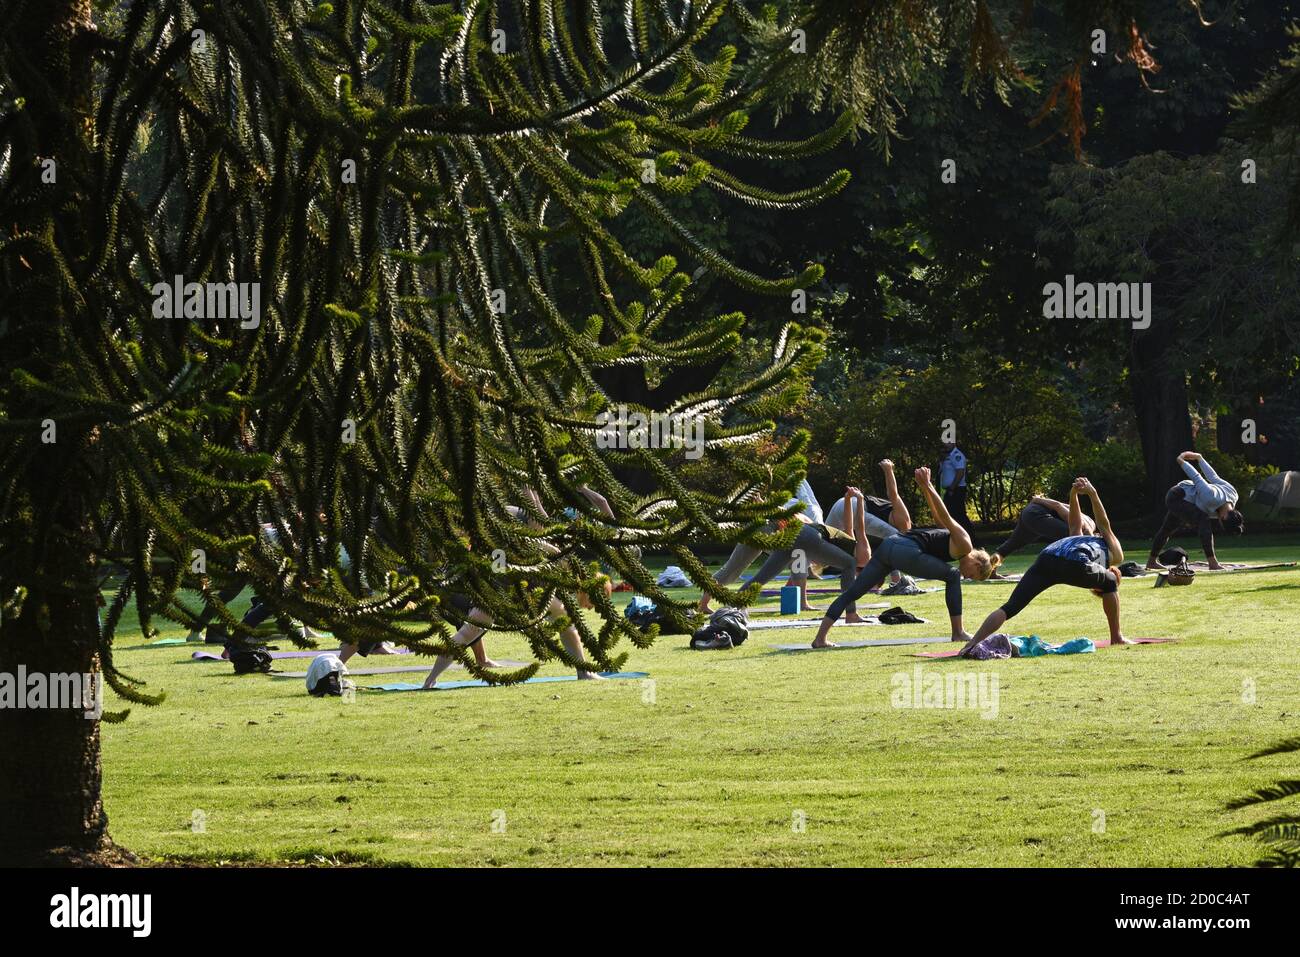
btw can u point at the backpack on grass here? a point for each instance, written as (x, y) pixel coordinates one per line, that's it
(250, 660)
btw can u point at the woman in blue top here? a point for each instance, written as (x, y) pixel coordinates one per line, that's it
(1085, 561)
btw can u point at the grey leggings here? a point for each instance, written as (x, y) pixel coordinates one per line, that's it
(904, 554)
(742, 556)
(816, 550)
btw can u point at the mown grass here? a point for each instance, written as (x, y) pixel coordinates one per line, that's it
(738, 747)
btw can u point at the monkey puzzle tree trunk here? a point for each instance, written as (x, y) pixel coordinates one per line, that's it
(50, 805)
(1159, 387)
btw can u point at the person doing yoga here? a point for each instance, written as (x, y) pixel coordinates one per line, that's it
(1042, 520)
(820, 543)
(478, 621)
(925, 553)
(1204, 501)
(1085, 561)
(885, 516)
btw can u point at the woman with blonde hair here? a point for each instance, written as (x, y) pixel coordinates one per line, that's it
(923, 553)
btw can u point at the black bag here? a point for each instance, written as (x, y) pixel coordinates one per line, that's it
(727, 628)
(711, 638)
(1130, 569)
(1173, 556)
(653, 616)
(897, 616)
(247, 661)
(332, 684)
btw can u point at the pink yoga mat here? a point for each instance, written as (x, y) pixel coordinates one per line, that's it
(1104, 643)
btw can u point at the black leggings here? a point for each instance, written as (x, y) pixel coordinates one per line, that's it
(1049, 570)
(1183, 513)
(905, 554)
(1037, 523)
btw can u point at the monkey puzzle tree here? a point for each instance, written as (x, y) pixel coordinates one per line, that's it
(359, 208)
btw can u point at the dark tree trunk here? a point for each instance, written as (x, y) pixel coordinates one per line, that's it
(1159, 388)
(50, 805)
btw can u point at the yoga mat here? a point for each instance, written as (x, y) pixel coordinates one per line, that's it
(871, 643)
(1201, 568)
(1104, 643)
(814, 622)
(167, 642)
(401, 670)
(216, 655)
(806, 591)
(806, 623)
(453, 685)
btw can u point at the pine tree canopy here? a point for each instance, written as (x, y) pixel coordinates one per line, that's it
(385, 187)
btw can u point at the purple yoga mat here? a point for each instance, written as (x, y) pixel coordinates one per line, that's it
(216, 655)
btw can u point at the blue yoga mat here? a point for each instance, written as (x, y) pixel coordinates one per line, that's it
(476, 683)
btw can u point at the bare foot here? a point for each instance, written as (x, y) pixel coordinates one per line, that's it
(964, 636)
(1216, 566)
(854, 619)
(808, 607)
(823, 643)
(590, 676)
(1155, 566)
(1121, 640)
(489, 663)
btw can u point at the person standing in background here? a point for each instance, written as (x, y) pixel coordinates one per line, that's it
(952, 483)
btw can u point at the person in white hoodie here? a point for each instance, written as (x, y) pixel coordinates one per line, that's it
(1204, 501)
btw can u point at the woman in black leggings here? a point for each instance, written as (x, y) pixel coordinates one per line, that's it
(925, 553)
(1084, 561)
(1042, 520)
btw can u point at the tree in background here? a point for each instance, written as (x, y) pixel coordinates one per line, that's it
(392, 183)
(1011, 420)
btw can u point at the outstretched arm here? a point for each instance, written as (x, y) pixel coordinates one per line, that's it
(856, 505)
(899, 516)
(1063, 512)
(1076, 513)
(1103, 522)
(1060, 508)
(959, 543)
(597, 500)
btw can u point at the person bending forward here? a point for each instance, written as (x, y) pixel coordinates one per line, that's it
(1080, 560)
(924, 553)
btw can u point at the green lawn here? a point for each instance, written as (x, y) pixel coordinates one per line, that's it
(737, 745)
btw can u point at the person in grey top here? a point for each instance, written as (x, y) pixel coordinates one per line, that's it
(1204, 501)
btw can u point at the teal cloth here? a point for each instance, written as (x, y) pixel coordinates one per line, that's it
(1031, 646)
